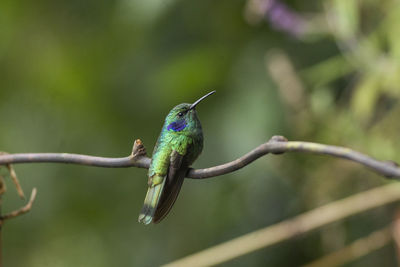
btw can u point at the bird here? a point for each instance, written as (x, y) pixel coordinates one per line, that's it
(178, 146)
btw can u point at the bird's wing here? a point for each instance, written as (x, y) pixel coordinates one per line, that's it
(173, 184)
(175, 164)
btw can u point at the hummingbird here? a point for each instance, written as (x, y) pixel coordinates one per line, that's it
(178, 146)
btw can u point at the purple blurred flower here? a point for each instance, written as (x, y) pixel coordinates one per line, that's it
(282, 18)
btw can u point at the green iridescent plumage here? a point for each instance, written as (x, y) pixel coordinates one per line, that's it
(177, 147)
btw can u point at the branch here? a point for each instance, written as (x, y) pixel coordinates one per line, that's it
(276, 145)
(293, 227)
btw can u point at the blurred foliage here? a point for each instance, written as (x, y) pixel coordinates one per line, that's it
(91, 76)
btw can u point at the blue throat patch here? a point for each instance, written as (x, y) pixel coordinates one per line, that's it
(177, 126)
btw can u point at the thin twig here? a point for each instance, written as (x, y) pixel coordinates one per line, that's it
(14, 178)
(285, 230)
(2, 191)
(359, 248)
(276, 145)
(22, 210)
(396, 235)
(363, 246)
(3, 187)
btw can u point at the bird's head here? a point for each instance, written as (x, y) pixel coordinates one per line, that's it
(183, 118)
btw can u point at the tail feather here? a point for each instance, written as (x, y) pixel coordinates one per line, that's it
(151, 201)
(169, 196)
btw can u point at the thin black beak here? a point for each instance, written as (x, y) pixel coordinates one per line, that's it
(200, 99)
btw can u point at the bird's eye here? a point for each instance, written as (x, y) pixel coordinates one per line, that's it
(180, 114)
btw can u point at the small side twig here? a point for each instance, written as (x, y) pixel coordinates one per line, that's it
(21, 210)
(15, 213)
(3, 187)
(138, 149)
(15, 179)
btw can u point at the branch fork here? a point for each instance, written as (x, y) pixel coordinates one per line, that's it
(17, 184)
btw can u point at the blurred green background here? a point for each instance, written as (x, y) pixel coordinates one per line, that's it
(91, 76)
